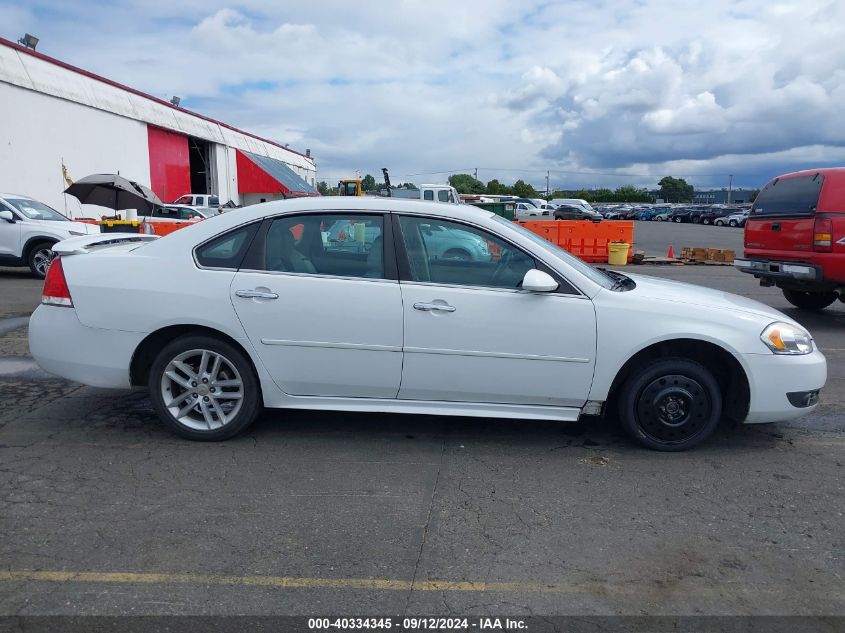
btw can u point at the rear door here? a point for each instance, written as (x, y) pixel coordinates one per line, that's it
(781, 222)
(319, 298)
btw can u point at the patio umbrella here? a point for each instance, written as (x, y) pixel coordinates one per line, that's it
(114, 192)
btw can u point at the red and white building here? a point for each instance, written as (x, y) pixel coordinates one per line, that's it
(57, 120)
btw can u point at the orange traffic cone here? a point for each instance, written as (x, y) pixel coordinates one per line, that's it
(670, 254)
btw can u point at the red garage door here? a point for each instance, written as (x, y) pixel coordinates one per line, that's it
(170, 166)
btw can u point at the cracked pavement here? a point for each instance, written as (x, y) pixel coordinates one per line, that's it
(558, 519)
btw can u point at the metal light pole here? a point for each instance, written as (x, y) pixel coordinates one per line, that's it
(547, 185)
(730, 186)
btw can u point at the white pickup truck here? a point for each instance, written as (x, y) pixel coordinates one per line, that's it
(198, 200)
(432, 193)
(28, 230)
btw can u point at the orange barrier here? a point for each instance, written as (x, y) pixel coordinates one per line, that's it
(585, 239)
(159, 227)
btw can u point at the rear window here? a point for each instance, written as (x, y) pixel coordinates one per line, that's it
(227, 250)
(796, 196)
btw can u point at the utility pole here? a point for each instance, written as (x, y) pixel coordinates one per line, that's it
(547, 185)
(730, 186)
(476, 173)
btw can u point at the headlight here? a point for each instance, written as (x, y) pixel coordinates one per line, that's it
(783, 338)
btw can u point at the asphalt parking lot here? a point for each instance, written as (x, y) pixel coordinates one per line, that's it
(102, 511)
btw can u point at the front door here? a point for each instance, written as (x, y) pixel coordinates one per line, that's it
(322, 306)
(471, 335)
(10, 235)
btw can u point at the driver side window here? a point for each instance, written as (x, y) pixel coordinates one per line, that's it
(450, 253)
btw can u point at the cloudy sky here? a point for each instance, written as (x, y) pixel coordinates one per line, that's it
(598, 92)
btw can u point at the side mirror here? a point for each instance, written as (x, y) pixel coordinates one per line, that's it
(7, 215)
(538, 281)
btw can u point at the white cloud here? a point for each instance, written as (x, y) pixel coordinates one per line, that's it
(587, 88)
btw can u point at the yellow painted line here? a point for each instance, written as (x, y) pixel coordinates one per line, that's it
(286, 582)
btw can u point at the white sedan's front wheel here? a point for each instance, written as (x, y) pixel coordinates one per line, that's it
(204, 388)
(672, 404)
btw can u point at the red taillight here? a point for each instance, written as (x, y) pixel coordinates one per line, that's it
(56, 292)
(823, 235)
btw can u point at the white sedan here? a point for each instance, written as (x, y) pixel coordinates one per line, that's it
(265, 306)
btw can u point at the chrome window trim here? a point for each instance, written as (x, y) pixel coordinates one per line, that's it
(315, 275)
(518, 291)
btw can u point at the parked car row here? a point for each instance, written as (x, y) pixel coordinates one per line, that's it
(718, 215)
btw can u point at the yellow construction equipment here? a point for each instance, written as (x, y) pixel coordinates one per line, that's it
(350, 187)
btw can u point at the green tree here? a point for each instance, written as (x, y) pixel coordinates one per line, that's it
(465, 183)
(522, 189)
(323, 188)
(408, 185)
(675, 189)
(495, 188)
(368, 183)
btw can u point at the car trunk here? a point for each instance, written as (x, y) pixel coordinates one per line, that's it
(781, 224)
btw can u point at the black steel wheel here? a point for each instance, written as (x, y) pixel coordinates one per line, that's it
(809, 300)
(672, 405)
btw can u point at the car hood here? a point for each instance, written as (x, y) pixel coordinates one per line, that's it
(707, 298)
(82, 227)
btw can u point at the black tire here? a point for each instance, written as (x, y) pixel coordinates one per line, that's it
(678, 220)
(39, 257)
(705, 221)
(732, 223)
(250, 401)
(673, 404)
(809, 300)
(658, 219)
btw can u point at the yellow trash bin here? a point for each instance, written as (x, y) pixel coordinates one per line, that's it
(617, 253)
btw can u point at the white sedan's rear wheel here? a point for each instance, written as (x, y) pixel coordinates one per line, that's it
(204, 389)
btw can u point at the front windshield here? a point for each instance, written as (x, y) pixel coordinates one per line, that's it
(581, 266)
(34, 210)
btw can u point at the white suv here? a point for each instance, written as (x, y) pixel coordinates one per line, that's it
(28, 230)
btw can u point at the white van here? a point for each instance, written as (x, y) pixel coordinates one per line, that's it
(574, 202)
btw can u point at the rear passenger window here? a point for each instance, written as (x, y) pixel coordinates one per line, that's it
(798, 196)
(344, 245)
(228, 250)
(443, 196)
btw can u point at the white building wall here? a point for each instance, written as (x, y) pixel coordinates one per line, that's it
(42, 76)
(256, 198)
(38, 131)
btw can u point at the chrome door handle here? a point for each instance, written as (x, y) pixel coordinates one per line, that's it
(434, 307)
(256, 294)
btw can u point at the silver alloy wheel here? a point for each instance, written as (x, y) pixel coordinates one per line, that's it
(41, 260)
(202, 389)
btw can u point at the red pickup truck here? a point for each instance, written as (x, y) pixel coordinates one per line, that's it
(795, 237)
